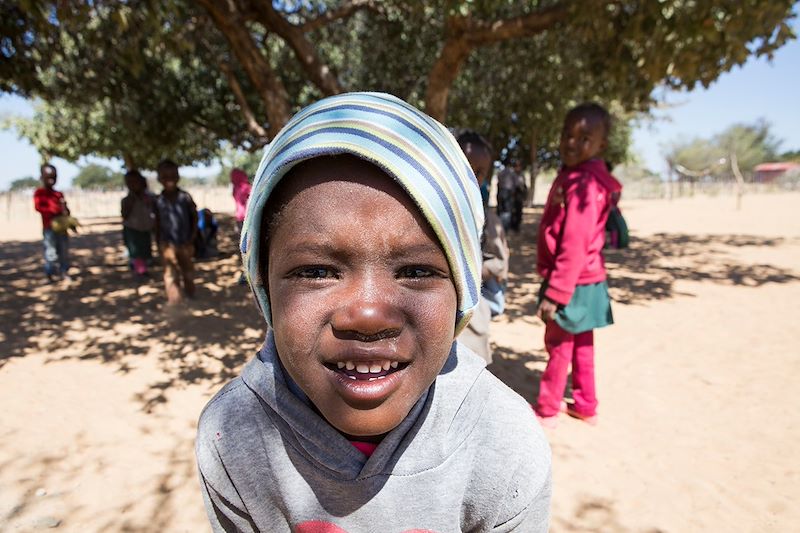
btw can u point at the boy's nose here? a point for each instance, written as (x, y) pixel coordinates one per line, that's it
(367, 312)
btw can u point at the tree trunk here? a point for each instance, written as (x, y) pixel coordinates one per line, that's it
(249, 117)
(230, 22)
(739, 180)
(442, 75)
(530, 200)
(464, 33)
(127, 159)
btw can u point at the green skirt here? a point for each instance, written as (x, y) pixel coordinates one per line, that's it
(138, 243)
(589, 308)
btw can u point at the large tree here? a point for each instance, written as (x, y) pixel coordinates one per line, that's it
(182, 77)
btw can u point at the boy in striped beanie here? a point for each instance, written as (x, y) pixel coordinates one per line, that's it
(361, 412)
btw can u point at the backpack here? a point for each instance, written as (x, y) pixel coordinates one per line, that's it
(616, 230)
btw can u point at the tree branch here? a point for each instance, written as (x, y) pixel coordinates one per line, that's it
(318, 71)
(229, 20)
(247, 112)
(464, 33)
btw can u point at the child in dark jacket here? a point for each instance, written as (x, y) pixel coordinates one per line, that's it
(573, 300)
(176, 232)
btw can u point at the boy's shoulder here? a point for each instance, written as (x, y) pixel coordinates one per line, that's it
(43, 191)
(491, 411)
(228, 407)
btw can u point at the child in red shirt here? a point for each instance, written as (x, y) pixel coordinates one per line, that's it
(51, 204)
(573, 300)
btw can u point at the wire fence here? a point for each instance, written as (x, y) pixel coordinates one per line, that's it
(17, 206)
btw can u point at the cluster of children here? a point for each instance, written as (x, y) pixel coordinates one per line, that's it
(181, 232)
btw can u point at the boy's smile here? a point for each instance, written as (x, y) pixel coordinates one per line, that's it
(362, 301)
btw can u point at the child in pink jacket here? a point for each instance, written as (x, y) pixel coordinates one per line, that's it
(573, 300)
(241, 194)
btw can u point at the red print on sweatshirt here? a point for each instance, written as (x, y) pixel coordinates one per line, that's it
(318, 526)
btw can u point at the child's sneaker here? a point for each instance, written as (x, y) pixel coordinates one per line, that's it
(566, 408)
(549, 422)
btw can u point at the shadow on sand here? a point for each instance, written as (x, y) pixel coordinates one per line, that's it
(107, 314)
(646, 271)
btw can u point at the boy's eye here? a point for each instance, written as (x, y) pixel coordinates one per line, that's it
(315, 272)
(416, 271)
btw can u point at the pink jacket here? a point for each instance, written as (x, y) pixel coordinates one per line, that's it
(572, 230)
(241, 192)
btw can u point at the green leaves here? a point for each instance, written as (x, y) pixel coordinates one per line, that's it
(142, 80)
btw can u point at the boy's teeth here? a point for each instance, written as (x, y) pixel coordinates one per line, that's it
(369, 367)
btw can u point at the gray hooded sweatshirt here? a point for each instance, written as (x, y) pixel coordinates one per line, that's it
(470, 456)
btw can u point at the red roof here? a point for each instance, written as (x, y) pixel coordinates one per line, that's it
(776, 167)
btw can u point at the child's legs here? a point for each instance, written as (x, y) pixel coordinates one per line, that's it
(171, 273)
(139, 265)
(62, 250)
(185, 253)
(50, 251)
(583, 391)
(559, 344)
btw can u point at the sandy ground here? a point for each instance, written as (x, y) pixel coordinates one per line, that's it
(100, 389)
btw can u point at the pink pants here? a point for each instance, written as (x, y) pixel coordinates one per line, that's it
(565, 348)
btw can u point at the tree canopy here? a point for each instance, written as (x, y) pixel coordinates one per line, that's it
(28, 182)
(140, 79)
(98, 177)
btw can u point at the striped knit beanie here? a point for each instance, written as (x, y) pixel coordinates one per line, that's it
(415, 150)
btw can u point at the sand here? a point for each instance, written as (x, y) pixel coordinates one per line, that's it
(100, 388)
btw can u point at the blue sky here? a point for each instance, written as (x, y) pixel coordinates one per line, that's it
(758, 89)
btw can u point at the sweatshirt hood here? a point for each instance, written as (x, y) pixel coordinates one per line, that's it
(419, 439)
(597, 167)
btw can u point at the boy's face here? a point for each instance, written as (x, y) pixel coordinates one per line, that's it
(168, 178)
(49, 177)
(582, 138)
(363, 306)
(134, 184)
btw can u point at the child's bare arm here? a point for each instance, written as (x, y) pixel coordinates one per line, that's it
(547, 310)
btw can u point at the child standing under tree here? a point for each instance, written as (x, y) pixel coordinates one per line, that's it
(573, 299)
(241, 193)
(138, 220)
(50, 203)
(360, 412)
(176, 230)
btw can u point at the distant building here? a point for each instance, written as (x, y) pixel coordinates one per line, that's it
(769, 172)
